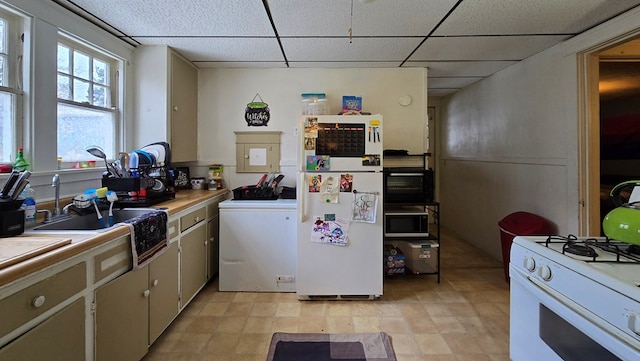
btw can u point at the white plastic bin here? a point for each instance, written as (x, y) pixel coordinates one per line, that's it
(421, 256)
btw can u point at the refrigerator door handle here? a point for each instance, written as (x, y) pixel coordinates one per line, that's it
(302, 197)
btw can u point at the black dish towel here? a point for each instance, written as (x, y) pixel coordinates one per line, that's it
(148, 236)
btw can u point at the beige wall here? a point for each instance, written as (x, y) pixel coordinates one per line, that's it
(510, 142)
(224, 94)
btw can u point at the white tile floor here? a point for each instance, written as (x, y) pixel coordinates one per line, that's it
(463, 318)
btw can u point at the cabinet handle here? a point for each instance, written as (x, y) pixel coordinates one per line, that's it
(196, 219)
(155, 283)
(38, 301)
(146, 293)
(175, 108)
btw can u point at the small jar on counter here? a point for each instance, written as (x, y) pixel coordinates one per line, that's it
(212, 184)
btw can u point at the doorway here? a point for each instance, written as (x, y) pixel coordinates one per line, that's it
(608, 152)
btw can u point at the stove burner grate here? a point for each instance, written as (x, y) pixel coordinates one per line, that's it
(579, 249)
(586, 247)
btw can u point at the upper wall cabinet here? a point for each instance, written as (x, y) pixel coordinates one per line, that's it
(166, 101)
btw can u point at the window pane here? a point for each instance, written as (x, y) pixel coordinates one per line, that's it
(64, 87)
(3, 70)
(7, 114)
(81, 91)
(101, 96)
(63, 59)
(100, 72)
(79, 128)
(3, 36)
(81, 67)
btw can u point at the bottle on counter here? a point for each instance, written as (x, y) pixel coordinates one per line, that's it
(29, 203)
(20, 164)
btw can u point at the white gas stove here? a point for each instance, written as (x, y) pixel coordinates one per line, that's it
(574, 299)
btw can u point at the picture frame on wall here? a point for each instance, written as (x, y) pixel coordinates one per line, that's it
(182, 179)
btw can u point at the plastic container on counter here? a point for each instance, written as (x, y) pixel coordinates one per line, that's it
(315, 104)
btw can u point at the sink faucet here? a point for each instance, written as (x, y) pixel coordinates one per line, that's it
(55, 183)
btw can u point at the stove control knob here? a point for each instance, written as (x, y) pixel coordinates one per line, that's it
(530, 264)
(634, 323)
(545, 272)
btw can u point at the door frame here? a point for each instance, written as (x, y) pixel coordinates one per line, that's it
(589, 134)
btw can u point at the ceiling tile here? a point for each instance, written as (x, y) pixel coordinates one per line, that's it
(184, 17)
(460, 68)
(492, 17)
(340, 49)
(453, 82)
(484, 47)
(240, 64)
(344, 64)
(382, 17)
(223, 49)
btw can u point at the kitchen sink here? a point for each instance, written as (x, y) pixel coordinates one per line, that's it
(89, 222)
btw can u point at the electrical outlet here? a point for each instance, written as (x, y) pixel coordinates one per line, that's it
(285, 278)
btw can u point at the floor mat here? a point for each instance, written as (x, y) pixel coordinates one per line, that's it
(329, 347)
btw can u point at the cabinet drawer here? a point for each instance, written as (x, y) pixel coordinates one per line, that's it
(113, 259)
(192, 218)
(172, 228)
(34, 300)
(60, 337)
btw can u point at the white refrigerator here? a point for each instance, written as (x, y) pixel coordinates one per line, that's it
(339, 203)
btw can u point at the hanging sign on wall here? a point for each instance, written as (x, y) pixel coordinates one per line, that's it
(257, 113)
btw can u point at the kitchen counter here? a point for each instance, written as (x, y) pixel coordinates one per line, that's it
(81, 242)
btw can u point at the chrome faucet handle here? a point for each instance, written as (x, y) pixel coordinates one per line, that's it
(47, 215)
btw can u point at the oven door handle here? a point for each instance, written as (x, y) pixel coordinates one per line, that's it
(545, 291)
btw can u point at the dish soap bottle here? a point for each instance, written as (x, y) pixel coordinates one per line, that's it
(21, 164)
(29, 203)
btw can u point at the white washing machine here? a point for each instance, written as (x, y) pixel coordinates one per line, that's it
(258, 245)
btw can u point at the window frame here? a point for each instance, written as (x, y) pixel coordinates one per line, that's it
(115, 65)
(14, 56)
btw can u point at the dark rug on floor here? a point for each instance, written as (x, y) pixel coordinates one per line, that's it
(329, 347)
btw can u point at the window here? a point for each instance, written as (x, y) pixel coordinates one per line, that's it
(10, 92)
(87, 109)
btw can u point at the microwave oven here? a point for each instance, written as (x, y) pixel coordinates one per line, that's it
(411, 223)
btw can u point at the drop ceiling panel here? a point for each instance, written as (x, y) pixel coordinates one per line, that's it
(476, 38)
(378, 18)
(343, 64)
(184, 17)
(484, 47)
(223, 49)
(461, 68)
(492, 17)
(452, 83)
(340, 49)
(240, 64)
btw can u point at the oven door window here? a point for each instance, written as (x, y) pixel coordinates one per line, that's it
(569, 342)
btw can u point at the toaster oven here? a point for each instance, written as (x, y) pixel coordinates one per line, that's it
(408, 185)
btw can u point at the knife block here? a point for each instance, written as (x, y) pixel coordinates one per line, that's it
(11, 223)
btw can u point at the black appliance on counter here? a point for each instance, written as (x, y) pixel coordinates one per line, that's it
(11, 217)
(150, 183)
(406, 185)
